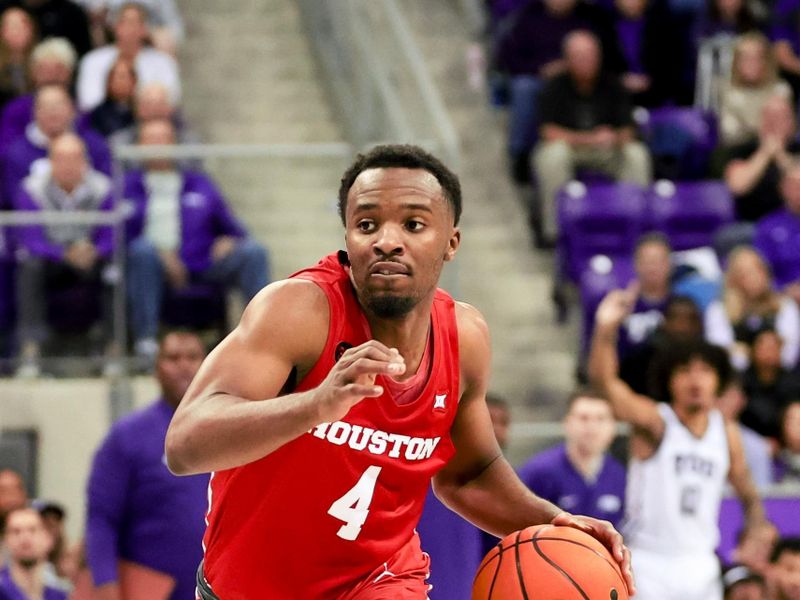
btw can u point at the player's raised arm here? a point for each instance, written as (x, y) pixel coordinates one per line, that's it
(639, 411)
(233, 412)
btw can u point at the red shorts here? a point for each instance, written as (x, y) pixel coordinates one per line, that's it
(402, 577)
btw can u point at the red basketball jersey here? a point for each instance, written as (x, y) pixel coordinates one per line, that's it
(316, 516)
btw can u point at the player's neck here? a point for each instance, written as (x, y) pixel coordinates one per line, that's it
(408, 334)
(695, 421)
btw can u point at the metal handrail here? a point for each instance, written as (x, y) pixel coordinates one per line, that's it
(200, 151)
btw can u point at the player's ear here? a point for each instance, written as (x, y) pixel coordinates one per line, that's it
(452, 244)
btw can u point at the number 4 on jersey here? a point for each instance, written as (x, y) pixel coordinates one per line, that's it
(353, 507)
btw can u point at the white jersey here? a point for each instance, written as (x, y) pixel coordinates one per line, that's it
(673, 497)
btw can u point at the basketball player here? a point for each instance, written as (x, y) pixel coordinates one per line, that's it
(340, 394)
(681, 453)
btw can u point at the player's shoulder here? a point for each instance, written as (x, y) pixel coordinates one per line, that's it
(285, 306)
(470, 322)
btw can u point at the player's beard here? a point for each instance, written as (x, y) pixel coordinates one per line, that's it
(389, 306)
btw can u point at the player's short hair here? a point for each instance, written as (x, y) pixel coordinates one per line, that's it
(679, 354)
(402, 156)
(787, 544)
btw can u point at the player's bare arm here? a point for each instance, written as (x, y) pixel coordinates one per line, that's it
(233, 412)
(640, 411)
(740, 479)
(478, 482)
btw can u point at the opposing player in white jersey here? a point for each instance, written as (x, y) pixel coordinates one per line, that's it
(681, 453)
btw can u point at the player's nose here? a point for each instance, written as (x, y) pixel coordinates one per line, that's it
(389, 240)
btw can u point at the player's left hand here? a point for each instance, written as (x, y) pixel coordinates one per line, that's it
(611, 538)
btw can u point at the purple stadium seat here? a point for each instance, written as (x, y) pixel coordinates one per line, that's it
(601, 275)
(601, 218)
(681, 140)
(689, 213)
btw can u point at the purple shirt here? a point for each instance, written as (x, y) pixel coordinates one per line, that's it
(204, 216)
(22, 153)
(777, 237)
(630, 33)
(138, 510)
(9, 589)
(551, 475)
(454, 546)
(16, 116)
(785, 25)
(638, 326)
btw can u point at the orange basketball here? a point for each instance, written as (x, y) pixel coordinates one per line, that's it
(547, 562)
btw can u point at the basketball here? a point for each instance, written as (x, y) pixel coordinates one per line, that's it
(548, 562)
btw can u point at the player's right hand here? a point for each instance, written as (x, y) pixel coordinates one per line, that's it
(616, 306)
(353, 378)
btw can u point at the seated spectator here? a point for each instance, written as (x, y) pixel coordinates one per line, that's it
(62, 557)
(28, 543)
(579, 475)
(52, 62)
(777, 235)
(167, 31)
(682, 322)
(130, 32)
(59, 18)
(757, 449)
(740, 583)
(652, 265)
(787, 462)
(783, 578)
(754, 80)
(785, 35)
(12, 492)
(768, 386)
(17, 38)
(115, 113)
(59, 255)
(748, 304)
(754, 170)
(182, 231)
(530, 52)
(586, 121)
(651, 76)
(7, 306)
(724, 17)
(54, 115)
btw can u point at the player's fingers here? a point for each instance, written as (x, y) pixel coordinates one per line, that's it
(362, 390)
(627, 571)
(374, 351)
(367, 366)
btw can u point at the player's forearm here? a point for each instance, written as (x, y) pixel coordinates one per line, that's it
(220, 431)
(496, 500)
(754, 515)
(603, 362)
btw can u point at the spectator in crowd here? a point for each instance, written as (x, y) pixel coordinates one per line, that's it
(52, 62)
(182, 231)
(17, 38)
(28, 543)
(530, 52)
(167, 31)
(754, 80)
(757, 450)
(754, 169)
(768, 385)
(54, 115)
(115, 113)
(785, 33)
(59, 255)
(62, 558)
(787, 461)
(682, 322)
(130, 32)
(58, 18)
(725, 17)
(586, 121)
(137, 510)
(740, 583)
(777, 235)
(7, 307)
(749, 303)
(783, 579)
(579, 474)
(653, 266)
(12, 492)
(651, 76)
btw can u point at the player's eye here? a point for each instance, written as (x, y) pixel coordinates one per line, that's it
(366, 226)
(415, 225)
